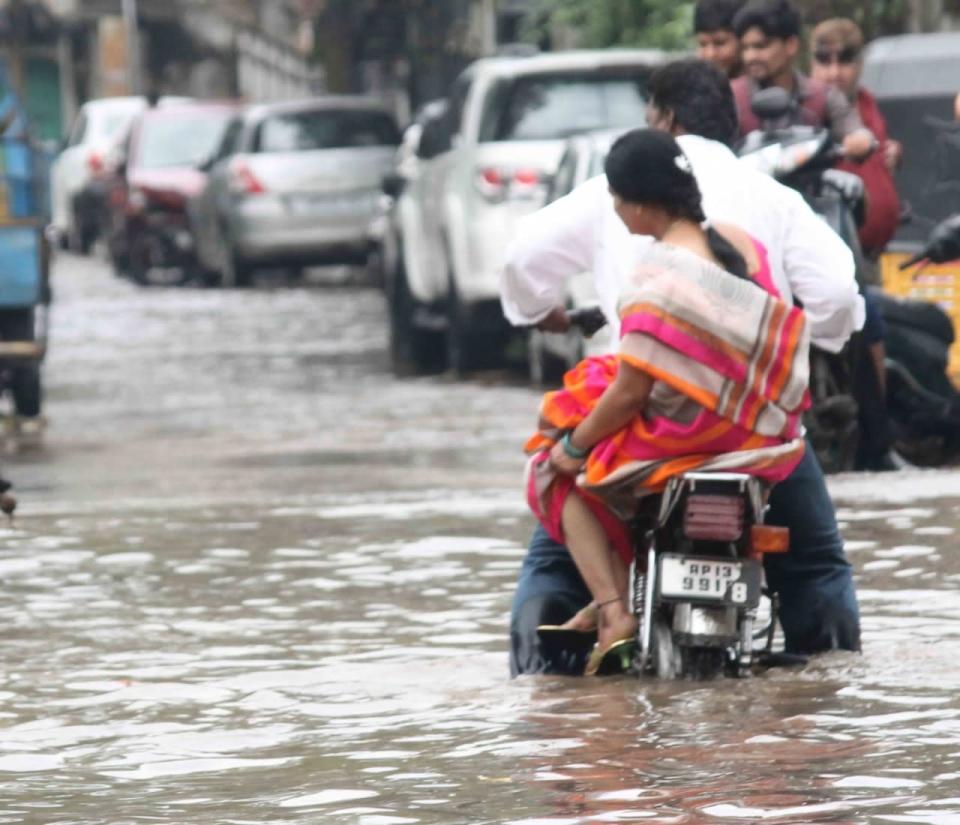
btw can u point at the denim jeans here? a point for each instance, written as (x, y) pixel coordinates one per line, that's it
(818, 602)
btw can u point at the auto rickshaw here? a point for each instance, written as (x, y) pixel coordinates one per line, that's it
(24, 268)
(916, 80)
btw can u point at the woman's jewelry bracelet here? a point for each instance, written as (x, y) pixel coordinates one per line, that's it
(571, 450)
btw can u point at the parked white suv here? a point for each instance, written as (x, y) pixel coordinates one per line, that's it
(481, 163)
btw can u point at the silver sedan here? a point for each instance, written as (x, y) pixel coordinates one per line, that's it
(294, 184)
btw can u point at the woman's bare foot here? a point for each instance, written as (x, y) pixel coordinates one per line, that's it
(616, 623)
(584, 620)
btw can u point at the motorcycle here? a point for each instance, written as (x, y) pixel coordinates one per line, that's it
(802, 158)
(698, 573)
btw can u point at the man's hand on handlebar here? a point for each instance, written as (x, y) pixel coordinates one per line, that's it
(558, 320)
(859, 145)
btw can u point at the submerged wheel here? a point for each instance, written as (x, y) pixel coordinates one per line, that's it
(674, 661)
(413, 350)
(666, 655)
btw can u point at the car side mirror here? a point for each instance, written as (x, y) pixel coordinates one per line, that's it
(393, 184)
(771, 104)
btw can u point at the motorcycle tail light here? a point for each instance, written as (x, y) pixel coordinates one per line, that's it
(765, 538)
(713, 518)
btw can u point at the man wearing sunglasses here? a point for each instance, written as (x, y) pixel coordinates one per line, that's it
(769, 32)
(837, 60)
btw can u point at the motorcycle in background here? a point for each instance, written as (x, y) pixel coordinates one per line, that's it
(802, 157)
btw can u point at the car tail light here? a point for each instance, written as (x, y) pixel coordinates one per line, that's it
(491, 183)
(95, 162)
(496, 184)
(713, 518)
(242, 179)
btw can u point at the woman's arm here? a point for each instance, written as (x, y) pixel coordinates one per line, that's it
(620, 402)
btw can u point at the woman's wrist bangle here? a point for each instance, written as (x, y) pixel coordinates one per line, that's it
(571, 450)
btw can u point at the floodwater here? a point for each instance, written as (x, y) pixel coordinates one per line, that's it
(255, 579)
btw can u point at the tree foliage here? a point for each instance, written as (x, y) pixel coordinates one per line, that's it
(651, 23)
(667, 23)
(875, 17)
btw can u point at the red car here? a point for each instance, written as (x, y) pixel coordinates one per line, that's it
(161, 168)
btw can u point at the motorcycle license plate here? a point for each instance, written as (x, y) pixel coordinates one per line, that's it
(683, 577)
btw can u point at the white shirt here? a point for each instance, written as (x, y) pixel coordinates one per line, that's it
(581, 232)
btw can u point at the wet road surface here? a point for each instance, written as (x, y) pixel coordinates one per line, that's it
(255, 579)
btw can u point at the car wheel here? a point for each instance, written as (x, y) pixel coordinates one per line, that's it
(235, 273)
(413, 350)
(152, 264)
(466, 348)
(477, 335)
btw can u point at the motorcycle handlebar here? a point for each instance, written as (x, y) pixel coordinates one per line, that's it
(588, 320)
(943, 244)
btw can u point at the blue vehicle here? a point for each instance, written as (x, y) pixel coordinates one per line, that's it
(24, 264)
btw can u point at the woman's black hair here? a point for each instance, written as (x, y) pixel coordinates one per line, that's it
(647, 166)
(775, 18)
(728, 255)
(715, 15)
(699, 96)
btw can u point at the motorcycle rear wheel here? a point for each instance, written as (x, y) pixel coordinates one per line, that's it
(675, 661)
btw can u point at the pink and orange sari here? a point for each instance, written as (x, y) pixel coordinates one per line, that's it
(730, 367)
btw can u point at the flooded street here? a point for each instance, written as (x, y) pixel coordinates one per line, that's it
(256, 579)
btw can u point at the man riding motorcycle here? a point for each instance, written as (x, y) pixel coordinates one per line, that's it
(581, 232)
(769, 32)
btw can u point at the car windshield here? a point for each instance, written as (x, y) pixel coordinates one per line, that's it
(181, 140)
(548, 107)
(326, 129)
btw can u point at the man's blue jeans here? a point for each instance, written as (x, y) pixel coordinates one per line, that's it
(818, 603)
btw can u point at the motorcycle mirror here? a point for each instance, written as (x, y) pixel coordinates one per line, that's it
(771, 104)
(943, 244)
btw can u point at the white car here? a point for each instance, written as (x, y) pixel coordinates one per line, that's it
(94, 134)
(483, 162)
(551, 354)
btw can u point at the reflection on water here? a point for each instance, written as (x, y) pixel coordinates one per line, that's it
(319, 664)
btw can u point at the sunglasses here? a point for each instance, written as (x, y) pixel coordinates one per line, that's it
(844, 57)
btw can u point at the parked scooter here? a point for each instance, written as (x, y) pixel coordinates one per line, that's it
(802, 157)
(698, 573)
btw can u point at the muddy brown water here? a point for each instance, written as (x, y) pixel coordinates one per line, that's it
(255, 579)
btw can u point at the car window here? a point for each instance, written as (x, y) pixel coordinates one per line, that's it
(109, 125)
(457, 102)
(78, 131)
(597, 159)
(565, 176)
(547, 107)
(435, 137)
(325, 129)
(179, 141)
(229, 144)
